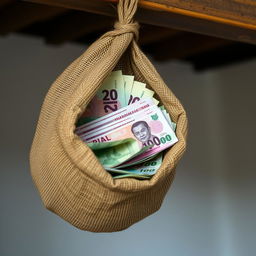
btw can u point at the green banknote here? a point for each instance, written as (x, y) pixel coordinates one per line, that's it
(136, 92)
(129, 175)
(142, 121)
(109, 98)
(98, 146)
(139, 91)
(130, 164)
(168, 118)
(113, 156)
(128, 83)
(146, 168)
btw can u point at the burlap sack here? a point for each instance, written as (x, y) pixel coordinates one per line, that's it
(71, 181)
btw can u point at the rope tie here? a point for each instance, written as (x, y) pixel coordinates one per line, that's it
(125, 24)
(128, 28)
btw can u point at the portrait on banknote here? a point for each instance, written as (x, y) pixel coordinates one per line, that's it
(141, 130)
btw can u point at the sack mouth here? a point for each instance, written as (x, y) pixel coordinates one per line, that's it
(86, 162)
(82, 156)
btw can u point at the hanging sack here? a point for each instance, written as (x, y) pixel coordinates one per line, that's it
(70, 179)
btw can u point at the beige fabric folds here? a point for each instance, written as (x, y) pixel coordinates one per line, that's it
(71, 181)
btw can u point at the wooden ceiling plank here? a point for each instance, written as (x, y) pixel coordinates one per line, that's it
(19, 15)
(75, 25)
(233, 10)
(6, 2)
(186, 45)
(228, 19)
(152, 34)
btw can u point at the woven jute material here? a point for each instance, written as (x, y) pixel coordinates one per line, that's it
(71, 181)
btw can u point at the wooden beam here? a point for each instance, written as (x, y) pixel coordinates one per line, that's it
(228, 19)
(18, 15)
(148, 37)
(75, 25)
(184, 46)
(6, 2)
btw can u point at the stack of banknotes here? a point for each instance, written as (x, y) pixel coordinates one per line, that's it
(125, 128)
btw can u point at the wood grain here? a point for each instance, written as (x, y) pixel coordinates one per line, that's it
(234, 10)
(160, 34)
(185, 45)
(230, 19)
(62, 29)
(19, 15)
(5, 2)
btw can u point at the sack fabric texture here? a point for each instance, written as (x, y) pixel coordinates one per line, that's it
(71, 181)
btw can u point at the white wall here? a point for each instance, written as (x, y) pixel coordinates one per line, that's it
(210, 208)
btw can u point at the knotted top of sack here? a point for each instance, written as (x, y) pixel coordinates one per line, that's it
(126, 10)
